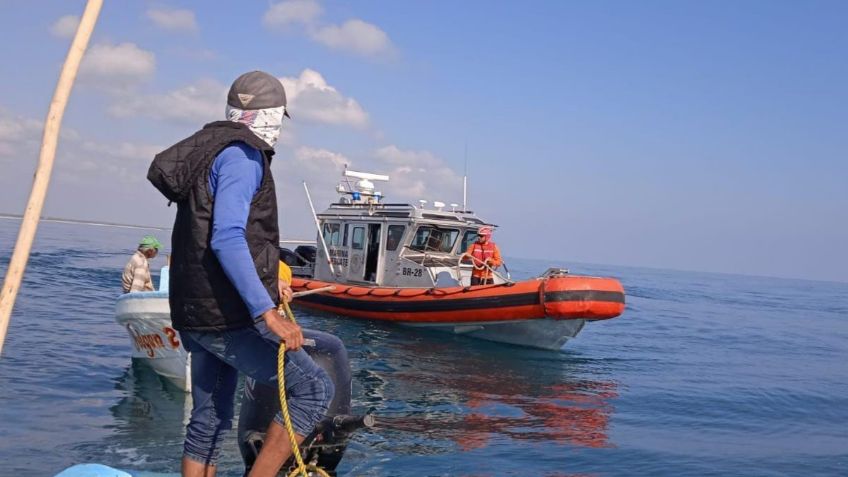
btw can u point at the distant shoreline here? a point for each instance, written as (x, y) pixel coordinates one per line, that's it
(546, 260)
(60, 220)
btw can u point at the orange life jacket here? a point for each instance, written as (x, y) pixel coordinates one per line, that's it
(481, 252)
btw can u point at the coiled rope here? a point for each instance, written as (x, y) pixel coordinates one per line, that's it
(483, 266)
(300, 468)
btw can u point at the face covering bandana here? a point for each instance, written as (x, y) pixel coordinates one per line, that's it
(265, 123)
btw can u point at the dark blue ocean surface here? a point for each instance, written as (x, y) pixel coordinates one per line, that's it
(704, 374)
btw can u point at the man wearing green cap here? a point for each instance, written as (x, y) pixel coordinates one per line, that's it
(136, 275)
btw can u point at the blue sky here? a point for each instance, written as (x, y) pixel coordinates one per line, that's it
(691, 135)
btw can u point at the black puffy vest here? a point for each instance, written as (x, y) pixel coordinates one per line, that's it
(201, 296)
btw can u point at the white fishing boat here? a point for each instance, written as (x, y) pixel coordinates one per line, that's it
(147, 318)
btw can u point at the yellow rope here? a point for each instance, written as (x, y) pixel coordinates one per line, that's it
(301, 468)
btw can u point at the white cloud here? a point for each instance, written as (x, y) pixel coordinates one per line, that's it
(311, 98)
(200, 102)
(174, 19)
(18, 135)
(22, 135)
(413, 175)
(291, 12)
(117, 67)
(319, 160)
(83, 167)
(66, 26)
(13, 128)
(418, 175)
(321, 169)
(101, 165)
(122, 150)
(86, 171)
(355, 36)
(90, 162)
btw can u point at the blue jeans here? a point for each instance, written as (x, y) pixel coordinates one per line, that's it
(216, 360)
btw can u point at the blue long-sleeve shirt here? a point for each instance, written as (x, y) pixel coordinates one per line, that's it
(235, 178)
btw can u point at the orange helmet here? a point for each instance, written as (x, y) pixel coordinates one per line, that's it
(487, 231)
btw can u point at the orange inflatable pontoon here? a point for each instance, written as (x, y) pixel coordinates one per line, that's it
(558, 298)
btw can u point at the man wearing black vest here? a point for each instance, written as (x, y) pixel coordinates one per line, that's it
(224, 287)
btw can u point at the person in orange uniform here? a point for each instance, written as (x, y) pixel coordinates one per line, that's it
(481, 252)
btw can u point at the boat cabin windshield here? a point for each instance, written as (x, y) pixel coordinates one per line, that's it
(332, 235)
(429, 238)
(468, 239)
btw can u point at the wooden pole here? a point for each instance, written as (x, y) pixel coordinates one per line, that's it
(313, 291)
(41, 181)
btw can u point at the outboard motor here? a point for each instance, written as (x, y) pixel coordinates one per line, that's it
(325, 446)
(306, 253)
(290, 258)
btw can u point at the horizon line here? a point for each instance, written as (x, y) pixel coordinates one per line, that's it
(652, 267)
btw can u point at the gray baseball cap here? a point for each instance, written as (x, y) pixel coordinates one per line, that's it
(257, 90)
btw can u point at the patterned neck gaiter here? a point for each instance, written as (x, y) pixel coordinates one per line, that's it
(265, 123)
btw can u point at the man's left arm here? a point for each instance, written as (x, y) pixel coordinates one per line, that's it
(496, 257)
(148, 281)
(140, 278)
(238, 178)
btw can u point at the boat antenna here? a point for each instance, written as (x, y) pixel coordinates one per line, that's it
(29, 222)
(318, 227)
(349, 185)
(465, 180)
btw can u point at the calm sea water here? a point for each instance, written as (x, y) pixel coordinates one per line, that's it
(704, 374)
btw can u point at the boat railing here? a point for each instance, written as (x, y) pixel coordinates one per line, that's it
(506, 270)
(554, 272)
(447, 260)
(429, 259)
(506, 279)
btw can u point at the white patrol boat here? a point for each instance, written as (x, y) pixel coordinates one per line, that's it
(404, 263)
